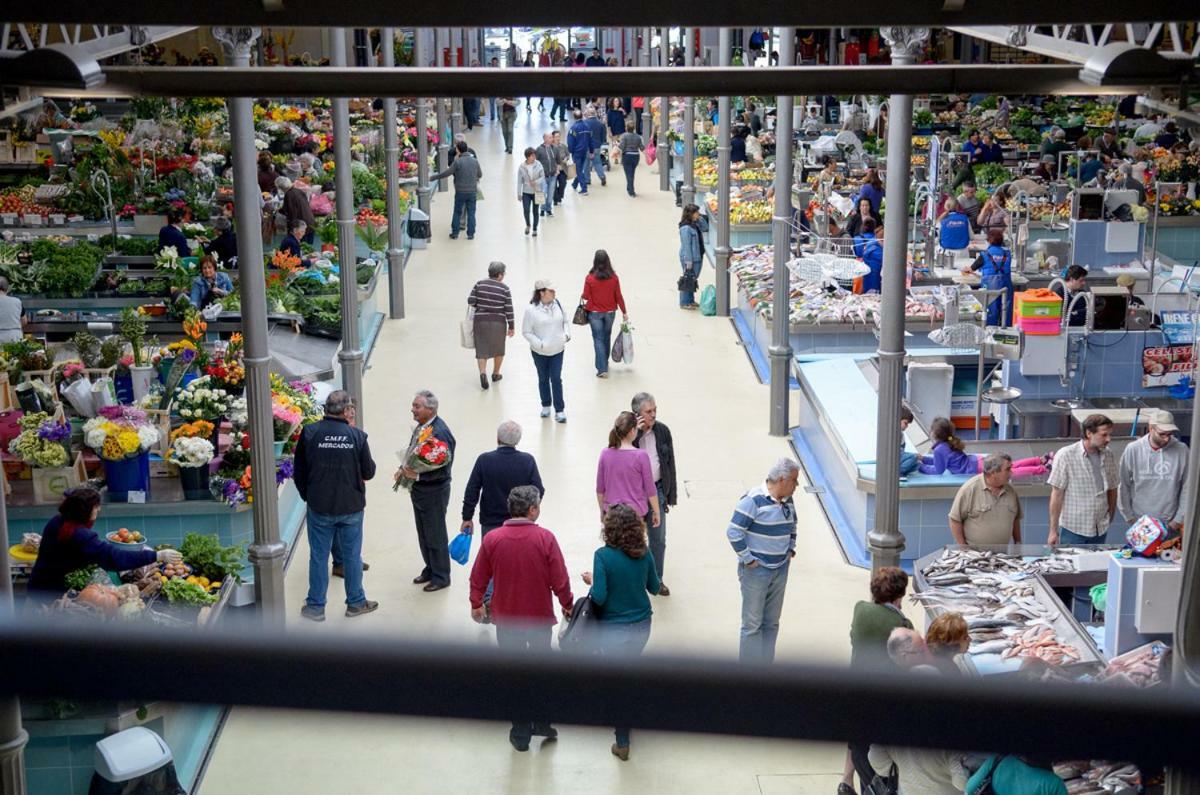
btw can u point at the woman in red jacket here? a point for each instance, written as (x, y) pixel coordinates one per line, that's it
(601, 297)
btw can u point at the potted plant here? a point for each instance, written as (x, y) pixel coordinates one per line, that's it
(133, 329)
(193, 454)
(122, 437)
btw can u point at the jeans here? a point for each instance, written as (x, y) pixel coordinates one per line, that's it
(623, 640)
(762, 604)
(583, 172)
(559, 108)
(548, 189)
(658, 535)
(525, 640)
(602, 325)
(506, 128)
(471, 111)
(629, 162)
(549, 371)
(687, 299)
(527, 202)
(599, 164)
(1081, 597)
(322, 530)
(492, 108)
(463, 201)
(560, 187)
(429, 509)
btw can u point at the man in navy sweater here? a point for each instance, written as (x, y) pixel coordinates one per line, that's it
(495, 474)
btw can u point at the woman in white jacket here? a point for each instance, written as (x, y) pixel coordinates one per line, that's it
(545, 326)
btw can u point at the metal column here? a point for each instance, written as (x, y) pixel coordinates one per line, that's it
(421, 57)
(456, 118)
(443, 146)
(350, 356)
(664, 105)
(689, 130)
(886, 541)
(723, 125)
(780, 352)
(391, 148)
(268, 553)
(13, 736)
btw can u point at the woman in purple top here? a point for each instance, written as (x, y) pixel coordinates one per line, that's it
(949, 456)
(623, 475)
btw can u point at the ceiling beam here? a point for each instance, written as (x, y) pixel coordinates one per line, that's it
(1038, 43)
(470, 13)
(700, 81)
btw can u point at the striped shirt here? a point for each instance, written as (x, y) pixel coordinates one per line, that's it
(492, 301)
(763, 528)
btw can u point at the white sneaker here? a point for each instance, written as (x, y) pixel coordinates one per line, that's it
(545, 411)
(560, 416)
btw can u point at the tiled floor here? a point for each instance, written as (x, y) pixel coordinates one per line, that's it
(717, 411)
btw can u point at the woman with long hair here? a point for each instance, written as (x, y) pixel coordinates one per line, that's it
(602, 297)
(623, 475)
(872, 190)
(546, 328)
(949, 455)
(862, 213)
(622, 574)
(692, 226)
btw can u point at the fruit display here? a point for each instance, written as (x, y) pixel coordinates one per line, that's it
(170, 571)
(920, 142)
(946, 117)
(752, 175)
(919, 160)
(127, 537)
(749, 204)
(22, 201)
(1100, 117)
(705, 170)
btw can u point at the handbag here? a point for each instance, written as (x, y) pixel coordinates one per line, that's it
(581, 315)
(578, 633)
(539, 196)
(688, 283)
(884, 785)
(466, 331)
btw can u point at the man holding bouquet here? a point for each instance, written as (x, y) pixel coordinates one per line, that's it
(425, 472)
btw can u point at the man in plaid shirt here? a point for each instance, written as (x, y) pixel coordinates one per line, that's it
(1083, 482)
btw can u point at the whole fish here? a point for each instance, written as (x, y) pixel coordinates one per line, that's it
(990, 647)
(981, 622)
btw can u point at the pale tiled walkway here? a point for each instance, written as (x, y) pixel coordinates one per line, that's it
(706, 393)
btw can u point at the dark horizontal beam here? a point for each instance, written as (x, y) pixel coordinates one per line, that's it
(402, 677)
(471, 13)
(705, 81)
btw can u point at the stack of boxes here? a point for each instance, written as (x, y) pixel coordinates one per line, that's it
(1038, 312)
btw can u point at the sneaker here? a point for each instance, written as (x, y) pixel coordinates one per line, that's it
(545, 411)
(602, 375)
(313, 613)
(470, 237)
(361, 609)
(603, 182)
(526, 230)
(560, 416)
(621, 752)
(454, 235)
(535, 233)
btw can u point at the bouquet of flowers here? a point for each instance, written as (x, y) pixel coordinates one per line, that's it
(237, 488)
(286, 416)
(42, 442)
(191, 451)
(120, 432)
(200, 400)
(228, 370)
(429, 454)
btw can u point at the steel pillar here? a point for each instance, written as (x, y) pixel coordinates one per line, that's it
(456, 117)
(664, 147)
(350, 355)
(443, 147)
(721, 255)
(391, 148)
(780, 352)
(421, 58)
(688, 192)
(886, 541)
(268, 552)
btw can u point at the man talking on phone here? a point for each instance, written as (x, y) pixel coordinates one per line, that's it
(655, 439)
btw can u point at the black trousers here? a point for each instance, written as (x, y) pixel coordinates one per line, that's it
(560, 187)
(429, 509)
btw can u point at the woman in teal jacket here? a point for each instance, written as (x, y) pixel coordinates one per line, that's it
(692, 227)
(622, 574)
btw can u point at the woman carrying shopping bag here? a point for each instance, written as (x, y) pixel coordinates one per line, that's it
(531, 183)
(692, 227)
(493, 320)
(545, 326)
(602, 297)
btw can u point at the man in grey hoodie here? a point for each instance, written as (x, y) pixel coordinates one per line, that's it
(467, 173)
(1153, 474)
(547, 155)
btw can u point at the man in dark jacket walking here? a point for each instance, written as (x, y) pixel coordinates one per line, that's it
(467, 173)
(599, 135)
(579, 144)
(430, 495)
(333, 463)
(655, 439)
(495, 474)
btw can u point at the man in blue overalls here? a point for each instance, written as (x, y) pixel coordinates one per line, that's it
(995, 264)
(870, 250)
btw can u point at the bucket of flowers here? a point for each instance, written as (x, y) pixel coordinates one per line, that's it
(44, 444)
(122, 437)
(192, 454)
(202, 400)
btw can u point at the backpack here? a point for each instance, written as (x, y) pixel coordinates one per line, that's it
(756, 40)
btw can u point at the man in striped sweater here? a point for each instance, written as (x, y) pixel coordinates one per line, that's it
(763, 534)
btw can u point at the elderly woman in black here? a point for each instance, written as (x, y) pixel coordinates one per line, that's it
(69, 543)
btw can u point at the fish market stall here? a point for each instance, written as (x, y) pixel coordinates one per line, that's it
(1006, 596)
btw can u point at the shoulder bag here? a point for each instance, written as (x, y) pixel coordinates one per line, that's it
(466, 330)
(578, 634)
(581, 315)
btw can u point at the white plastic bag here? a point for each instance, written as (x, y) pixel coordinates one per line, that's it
(104, 393)
(78, 394)
(626, 339)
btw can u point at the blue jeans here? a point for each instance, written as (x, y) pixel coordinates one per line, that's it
(762, 604)
(687, 299)
(629, 162)
(599, 164)
(527, 204)
(623, 640)
(548, 189)
(322, 529)
(657, 536)
(549, 370)
(463, 201)
(583, 172)
(525, 640)
(602, 325)
(1081, 597)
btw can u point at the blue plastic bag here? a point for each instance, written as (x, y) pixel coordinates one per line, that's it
(460, 548)
(708, 300)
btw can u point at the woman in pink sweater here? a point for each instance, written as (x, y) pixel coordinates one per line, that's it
(623, 475)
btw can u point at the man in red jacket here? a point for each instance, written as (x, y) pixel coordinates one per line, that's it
(525, 565)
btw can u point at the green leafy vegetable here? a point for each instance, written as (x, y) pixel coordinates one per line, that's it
(209, 559)
(177, 590)
(79, 579)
